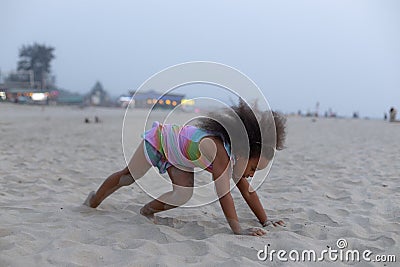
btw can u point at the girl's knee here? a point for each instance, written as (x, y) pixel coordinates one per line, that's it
(122, 178)
(125, 171)
(130, 176)
(125, 179)
(135, 173)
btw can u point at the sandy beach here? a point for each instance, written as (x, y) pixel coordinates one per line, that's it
(337, 179)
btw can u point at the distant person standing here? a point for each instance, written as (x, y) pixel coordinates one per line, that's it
(392, 114)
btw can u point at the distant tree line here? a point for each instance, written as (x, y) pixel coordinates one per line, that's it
(34, 65)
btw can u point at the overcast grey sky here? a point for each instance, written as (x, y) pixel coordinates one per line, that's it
(344, 54)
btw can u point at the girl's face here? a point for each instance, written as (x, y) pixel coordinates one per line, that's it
(245, 168)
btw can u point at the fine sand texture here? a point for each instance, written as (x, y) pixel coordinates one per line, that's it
(337, 179)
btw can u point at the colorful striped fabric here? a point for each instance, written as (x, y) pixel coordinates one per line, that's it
(169, 144)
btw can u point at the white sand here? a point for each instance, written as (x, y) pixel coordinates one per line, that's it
(338, 178)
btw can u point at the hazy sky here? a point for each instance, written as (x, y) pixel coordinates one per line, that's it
(344, 54)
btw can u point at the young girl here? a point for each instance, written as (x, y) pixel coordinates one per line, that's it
(214, 145)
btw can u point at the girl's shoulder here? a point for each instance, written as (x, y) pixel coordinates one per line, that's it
(212, 147)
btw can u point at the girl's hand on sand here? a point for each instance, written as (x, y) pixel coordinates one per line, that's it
(253, 232)
(273, 223)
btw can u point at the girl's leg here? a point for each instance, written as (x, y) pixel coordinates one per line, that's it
(182, 191)
(137, 167)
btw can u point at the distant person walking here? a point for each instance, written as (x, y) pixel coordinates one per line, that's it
(392, 114)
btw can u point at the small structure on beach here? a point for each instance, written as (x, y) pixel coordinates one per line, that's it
(98, 96)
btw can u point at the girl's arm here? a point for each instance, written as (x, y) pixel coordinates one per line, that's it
(222, 186)
(254, 203)
(221, 176)
(252, 200)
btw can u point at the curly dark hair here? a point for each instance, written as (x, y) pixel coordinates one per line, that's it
(264, 129)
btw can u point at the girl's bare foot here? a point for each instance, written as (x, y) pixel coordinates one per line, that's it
(89, 198)
(148, 213)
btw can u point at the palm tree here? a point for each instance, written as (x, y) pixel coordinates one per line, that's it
(36, 58)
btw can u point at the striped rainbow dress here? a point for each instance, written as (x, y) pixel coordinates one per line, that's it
(173, 145)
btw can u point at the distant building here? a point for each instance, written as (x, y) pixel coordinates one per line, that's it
(3, 91)
(27, 95)
(150, 99)
(67, 98)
